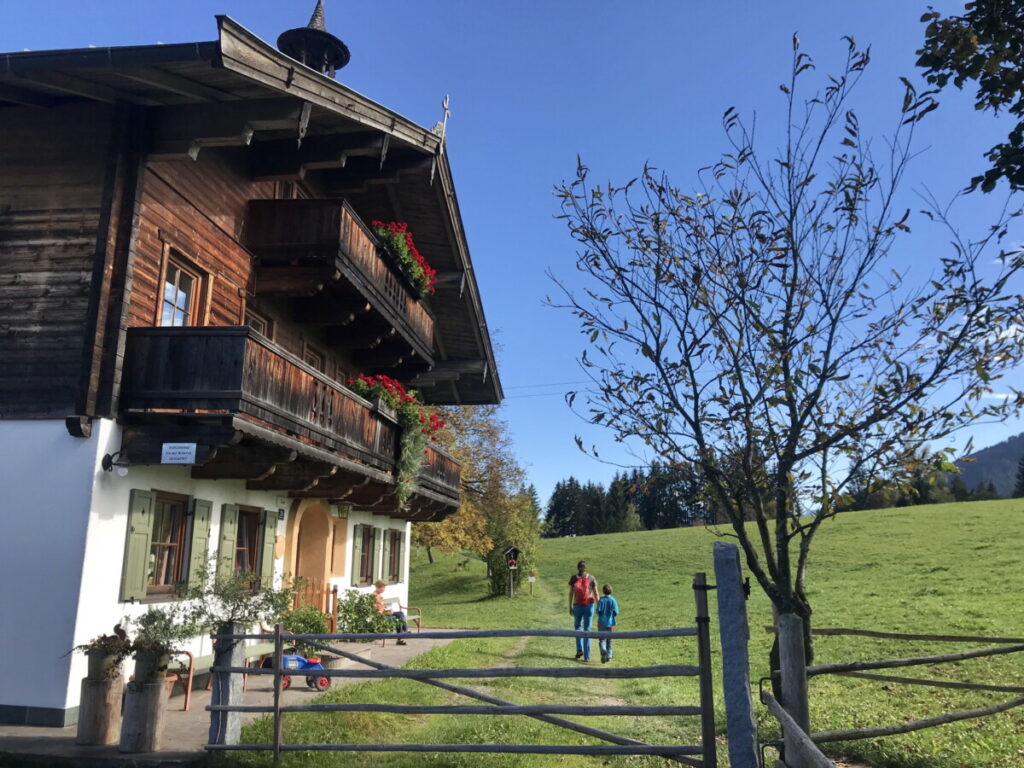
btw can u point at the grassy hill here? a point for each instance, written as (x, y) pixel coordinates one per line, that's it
(954, 568)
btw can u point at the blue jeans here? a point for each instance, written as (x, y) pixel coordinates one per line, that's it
(400, 623)
(581, 615)
(605, 644)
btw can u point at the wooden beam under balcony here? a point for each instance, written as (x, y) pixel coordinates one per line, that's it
(294, 281)
(452, 370)
(301, 475)
(325, 311)
(144, 434)
(367, 336)
(247, 461)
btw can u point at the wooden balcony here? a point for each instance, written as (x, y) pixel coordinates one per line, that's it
(259, 413)
(321, 250)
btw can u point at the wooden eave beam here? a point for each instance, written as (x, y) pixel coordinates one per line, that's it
(301, 475)
(293, 281)
(282, 159)
(181, 131)
(453, 370)
(354, 178)
(369, 337)
(168, 81)
(248, 461)
(77, 86)
(326, 311)
(26, 97)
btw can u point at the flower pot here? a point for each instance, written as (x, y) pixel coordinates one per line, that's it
(151, 666)
(103, 665)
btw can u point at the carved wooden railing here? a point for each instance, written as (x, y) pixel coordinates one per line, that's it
(233, 369)
(329, 231)
(441, 472)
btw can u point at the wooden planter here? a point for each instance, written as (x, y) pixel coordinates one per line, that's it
(145, 704)
(99, 707)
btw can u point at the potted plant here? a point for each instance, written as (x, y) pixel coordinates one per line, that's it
(157, 634)
(419, 426)
(99, 707)
(397, 241)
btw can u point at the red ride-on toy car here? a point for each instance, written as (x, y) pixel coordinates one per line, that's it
(301, 664)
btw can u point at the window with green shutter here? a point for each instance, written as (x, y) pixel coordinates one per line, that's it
(227, 541)
(137, 545)
(269, 534)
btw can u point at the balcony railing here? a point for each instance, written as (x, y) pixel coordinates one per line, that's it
(441, 472)
(235, 370)
(329, 232)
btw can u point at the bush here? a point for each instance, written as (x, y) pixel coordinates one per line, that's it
(357, 612)
(306, 620)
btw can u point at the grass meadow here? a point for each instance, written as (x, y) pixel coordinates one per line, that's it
(950, 569)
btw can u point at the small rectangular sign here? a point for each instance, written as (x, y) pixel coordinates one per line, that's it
(178, 453)
(531, 579)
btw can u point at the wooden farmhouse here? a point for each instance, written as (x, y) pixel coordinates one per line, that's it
(189, 276)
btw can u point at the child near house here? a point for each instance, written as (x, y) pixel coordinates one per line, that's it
(398, 616)
(607, 613)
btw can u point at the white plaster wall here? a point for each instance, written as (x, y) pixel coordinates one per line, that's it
(46, 476)
(99, 608)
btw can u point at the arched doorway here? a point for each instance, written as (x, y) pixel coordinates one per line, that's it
(310, 540)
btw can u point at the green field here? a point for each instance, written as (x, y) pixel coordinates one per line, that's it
(950, 569)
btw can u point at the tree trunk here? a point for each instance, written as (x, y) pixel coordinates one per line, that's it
(99, 710)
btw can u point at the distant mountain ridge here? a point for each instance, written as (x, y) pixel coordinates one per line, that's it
(997, 463)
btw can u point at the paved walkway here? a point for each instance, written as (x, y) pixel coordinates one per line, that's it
(185, 732)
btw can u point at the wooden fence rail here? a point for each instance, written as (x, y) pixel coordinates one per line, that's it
(859, 669)
(226, 710)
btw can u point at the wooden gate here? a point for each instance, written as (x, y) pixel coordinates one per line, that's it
(226, 706)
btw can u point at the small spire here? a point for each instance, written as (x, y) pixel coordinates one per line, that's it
(316, 21)
(314, 46)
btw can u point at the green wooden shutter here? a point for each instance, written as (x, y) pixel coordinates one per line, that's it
(202, 512)
(137, 545)
(357, 555)
(401, 556)
(267, 555)
(228, 541)
(375, 560)
(386, 557)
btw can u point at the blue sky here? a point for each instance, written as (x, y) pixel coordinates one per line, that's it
(535, 84)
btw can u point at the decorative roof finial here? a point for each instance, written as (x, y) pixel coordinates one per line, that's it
(316, 21)
(314, 46)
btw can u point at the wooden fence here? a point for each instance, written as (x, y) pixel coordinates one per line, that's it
(861, 669)
(226, 707)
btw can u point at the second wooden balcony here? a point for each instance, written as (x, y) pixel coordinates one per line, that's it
(320, 253)
(255, 412)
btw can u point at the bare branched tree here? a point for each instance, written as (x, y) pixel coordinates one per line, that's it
(756, 328)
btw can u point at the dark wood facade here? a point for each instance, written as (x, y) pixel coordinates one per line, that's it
(123, 171)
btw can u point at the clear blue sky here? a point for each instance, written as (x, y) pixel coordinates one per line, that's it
(534, 84)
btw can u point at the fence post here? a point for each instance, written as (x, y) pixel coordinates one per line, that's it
(707, 693)
(226, 687)
(734, 635)
(334, 609)
(794, 682)
(278, 672)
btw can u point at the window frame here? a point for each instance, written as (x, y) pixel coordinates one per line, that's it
(254, 517)
(183, 553)
(199, 309)
(268, 324)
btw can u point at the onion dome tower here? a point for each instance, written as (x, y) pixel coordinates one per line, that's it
(314, 46)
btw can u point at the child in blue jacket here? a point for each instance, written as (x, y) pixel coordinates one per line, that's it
(607, 613)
